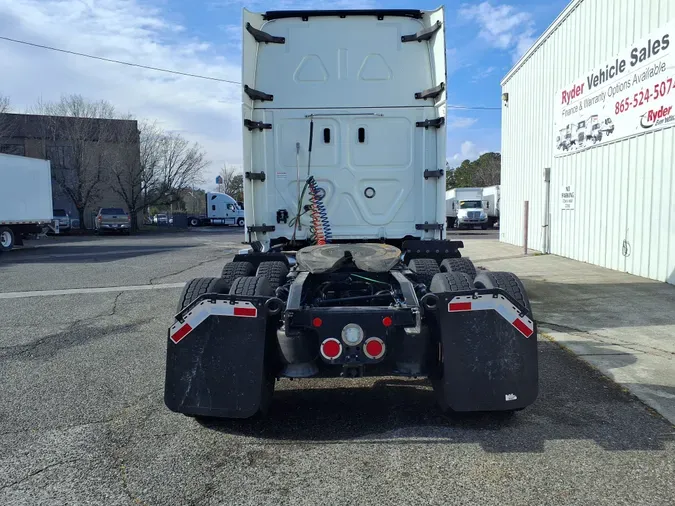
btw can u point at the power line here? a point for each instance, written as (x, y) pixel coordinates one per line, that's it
(119, 61)
(186, 74)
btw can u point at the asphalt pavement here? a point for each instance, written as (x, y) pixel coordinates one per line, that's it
(82, 418)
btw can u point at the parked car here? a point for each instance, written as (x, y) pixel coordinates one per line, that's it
(113, 219)
(64, 220)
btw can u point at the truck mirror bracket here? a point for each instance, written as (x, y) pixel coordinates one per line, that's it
(257, 95)
(424, 34)
(265, 37)
(431, 92)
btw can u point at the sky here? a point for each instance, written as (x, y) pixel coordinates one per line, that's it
(484, 40)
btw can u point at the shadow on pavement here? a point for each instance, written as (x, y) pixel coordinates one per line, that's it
(589, 306)
(575, 403)
(85, 253)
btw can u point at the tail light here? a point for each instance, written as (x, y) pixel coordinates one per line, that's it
(374, 348)
(100, 218)
(331, 348)
(129, 218)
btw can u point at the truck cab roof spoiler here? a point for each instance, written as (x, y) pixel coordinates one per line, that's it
(379, 13)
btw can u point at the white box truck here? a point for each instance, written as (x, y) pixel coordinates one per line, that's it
(349, 273)
(221, 209)
(491, 198)
(464, 208)
(25, 199)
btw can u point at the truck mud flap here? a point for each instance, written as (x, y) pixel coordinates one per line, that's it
(216, 363)
(488, 352)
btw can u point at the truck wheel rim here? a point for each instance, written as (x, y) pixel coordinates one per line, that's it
(5, 239)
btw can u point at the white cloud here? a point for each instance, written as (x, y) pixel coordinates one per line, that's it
(468, 151)
(483, 74)
(208, 112)
(461, 122)
(502, 26)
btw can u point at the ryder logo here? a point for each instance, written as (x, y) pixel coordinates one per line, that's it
(651, 117)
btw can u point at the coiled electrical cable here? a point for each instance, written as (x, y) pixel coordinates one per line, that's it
(320, 223)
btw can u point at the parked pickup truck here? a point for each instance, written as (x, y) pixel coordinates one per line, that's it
(113, 219)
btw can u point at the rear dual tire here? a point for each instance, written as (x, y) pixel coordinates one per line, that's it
(426, 268)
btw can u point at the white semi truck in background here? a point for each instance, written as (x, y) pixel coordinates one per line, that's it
(491, 198)
(25, 199)
(464, 208)
(221, 209)
(349, 272)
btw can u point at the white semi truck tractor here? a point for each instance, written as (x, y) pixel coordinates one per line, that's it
(464, 208)
(348, 271)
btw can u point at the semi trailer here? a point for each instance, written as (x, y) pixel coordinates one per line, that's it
(348, 271)
(491, 203)
(25, 200)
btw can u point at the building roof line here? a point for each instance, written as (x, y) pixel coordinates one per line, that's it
(542, 38)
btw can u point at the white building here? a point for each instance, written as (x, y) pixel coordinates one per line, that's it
(594, 101)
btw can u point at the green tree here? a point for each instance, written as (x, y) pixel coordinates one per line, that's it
(484, 171)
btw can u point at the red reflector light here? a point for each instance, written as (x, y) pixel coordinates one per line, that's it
(459, 306)
(387, 321)
(317, 322)
(374, 348)
(331, 348)
(245, 311)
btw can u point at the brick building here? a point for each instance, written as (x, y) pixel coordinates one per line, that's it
(89, 157)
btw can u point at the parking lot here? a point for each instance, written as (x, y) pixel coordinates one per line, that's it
(82, 418)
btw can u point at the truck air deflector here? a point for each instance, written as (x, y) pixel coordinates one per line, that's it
(378, 13)
(257, 94)
(431, 92)
(424, 34)
(265, 37)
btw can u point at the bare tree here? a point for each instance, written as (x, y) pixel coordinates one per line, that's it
(136, 175)
(180, 167)
(157, 170)
(79, 147)
(7, 122)
(233, 182)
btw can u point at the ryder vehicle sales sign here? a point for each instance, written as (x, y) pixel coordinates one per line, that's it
(631, 94)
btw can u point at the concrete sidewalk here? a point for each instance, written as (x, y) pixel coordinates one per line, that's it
(623, 325)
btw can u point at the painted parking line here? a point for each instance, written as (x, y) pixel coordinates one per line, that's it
(76, 291)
